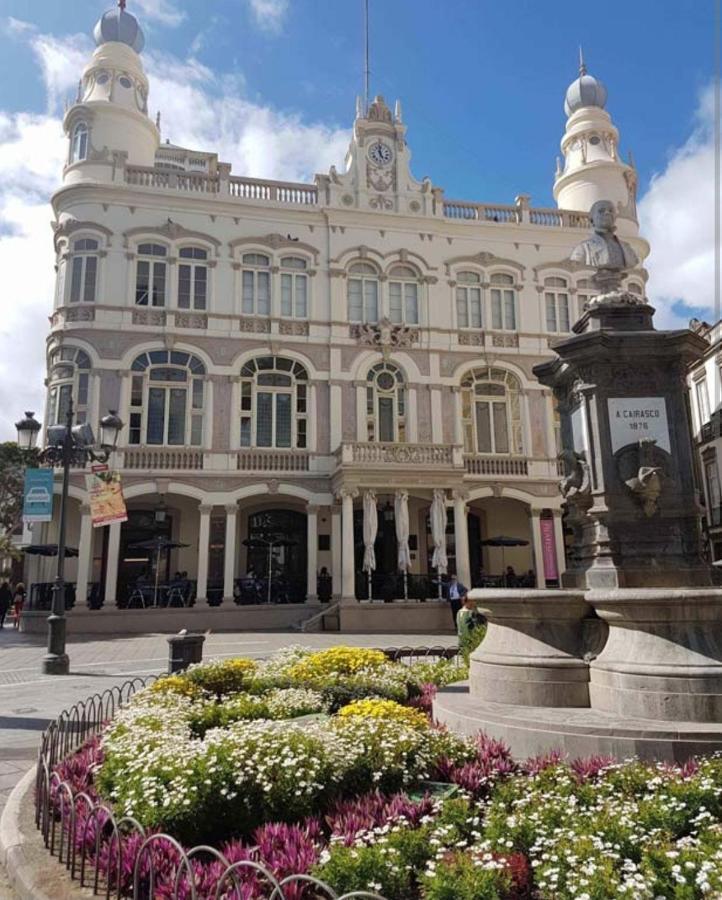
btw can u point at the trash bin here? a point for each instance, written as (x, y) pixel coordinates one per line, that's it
(184, 650)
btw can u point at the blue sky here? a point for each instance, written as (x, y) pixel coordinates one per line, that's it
(482, 83)
(270, 85)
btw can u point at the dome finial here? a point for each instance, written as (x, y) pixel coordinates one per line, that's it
(582, 64)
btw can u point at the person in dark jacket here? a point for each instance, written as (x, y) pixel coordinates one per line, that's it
(455, 593)
(6, 601)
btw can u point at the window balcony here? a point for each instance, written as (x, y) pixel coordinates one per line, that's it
(150, 459)
(398, 455)
(502, 467)
(269, 460)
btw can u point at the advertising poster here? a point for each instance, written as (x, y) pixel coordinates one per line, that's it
(38, 495)
(106, 497)
(549, 550)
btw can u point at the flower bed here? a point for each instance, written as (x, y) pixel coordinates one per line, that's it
(326, 764)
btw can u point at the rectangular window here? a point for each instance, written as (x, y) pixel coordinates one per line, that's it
(264, 419)
(248, 293)
(134, 428)
(200, 293)
(713, 485)
(83, 389)
(702, 402)
(551, 312)
(503, 310)
(355, 301)
(462, 314)
(184, 287)
(256, 298)
(156, 416)
(158, 284)
(301, 301)
(563, 312)
(142, 283)
(395, 309)
(177, 416)
(286, 295)
(371, 301)
(501, 433)
(76, 279)
(386, 419)
(475, 307)
(91, 269)
(283, 420)
(483, 428)
(412, 304)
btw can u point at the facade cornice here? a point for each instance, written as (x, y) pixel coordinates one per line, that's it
(275, 242)
(171, 231)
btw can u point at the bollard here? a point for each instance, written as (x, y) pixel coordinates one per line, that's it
(183, 650)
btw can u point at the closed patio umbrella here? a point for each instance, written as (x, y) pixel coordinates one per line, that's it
(371, 527)
(401, 514)
(438, 534)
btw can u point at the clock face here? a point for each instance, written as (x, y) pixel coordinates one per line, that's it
(380, 153)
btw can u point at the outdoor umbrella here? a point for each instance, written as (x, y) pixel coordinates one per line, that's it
(48, 550)
(269, 543)
(401, 514)
(504, 541)
(159, 544)
(438, 534)
(371, 527)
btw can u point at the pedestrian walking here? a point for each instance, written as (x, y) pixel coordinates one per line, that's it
(18, 603)
(455, 593)
(6, 601)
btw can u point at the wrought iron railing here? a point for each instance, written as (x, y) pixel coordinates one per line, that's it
(391, 587)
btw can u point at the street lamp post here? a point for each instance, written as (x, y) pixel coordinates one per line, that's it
(67, 445)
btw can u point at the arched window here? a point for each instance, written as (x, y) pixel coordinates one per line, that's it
(274, 403)
(79, 143)
(363, 293)
(503, 302)
(69, 376)
(491, 412)
(193, 278)
(385, 403)
(166, 399)
(556, 301)
(150, 278)
(403, 295)
(294, 287)
(468, 300)
(84, 271)
(256, 281)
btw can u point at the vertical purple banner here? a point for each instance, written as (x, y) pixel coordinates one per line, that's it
(549, 550)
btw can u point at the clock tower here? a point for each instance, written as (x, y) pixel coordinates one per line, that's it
(377, 175)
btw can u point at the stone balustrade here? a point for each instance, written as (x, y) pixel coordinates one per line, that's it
(272, 461)
(296, 194)
(386, 453)
(161, 458)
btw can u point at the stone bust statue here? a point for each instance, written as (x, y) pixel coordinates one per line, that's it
(603, 249)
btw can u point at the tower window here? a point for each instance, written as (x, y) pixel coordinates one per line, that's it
(125, 82)
(84, 271)
(79, 143)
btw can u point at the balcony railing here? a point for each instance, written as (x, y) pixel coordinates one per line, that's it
(496, 465)
(147, 458)
(384, 453)
(272, 461)
(298, 194)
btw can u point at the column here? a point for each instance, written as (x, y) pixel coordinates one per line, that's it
(111, 565)
(461, 537)
(336, 415)
(336, 551)
(348, 578)
(204, 534)
(412, 426)
(85, 556)
(229, 558)
(561, 548)
(536, 538)
(312, 553)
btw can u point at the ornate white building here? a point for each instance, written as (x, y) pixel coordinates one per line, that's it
(277, 350)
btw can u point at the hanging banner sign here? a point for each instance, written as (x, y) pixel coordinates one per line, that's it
(38, 495)
(107, 504)
(549, 550)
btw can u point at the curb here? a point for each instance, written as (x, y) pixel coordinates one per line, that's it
(22, 873)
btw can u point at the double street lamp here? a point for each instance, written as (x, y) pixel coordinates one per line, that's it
(67, 446)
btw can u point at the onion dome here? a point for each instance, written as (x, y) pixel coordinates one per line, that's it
(585, 91)
(117, 25)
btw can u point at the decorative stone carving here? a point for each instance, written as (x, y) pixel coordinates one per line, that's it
(79, 314)
(385, 335)
(254, 326)
(576, 483)
(191, 320)
(153, 317)
(471, 338)
(286, 326)
(380, 202)
(505, 340)
(273, 486)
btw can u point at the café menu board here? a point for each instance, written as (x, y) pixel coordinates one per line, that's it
(632, 419)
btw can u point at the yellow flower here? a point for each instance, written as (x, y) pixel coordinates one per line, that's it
(376, 708)
(175, 684)
(337, 661)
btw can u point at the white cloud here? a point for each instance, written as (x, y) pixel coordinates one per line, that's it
(269, 14)
(164, 11)
(256, 139)
(677, 218)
